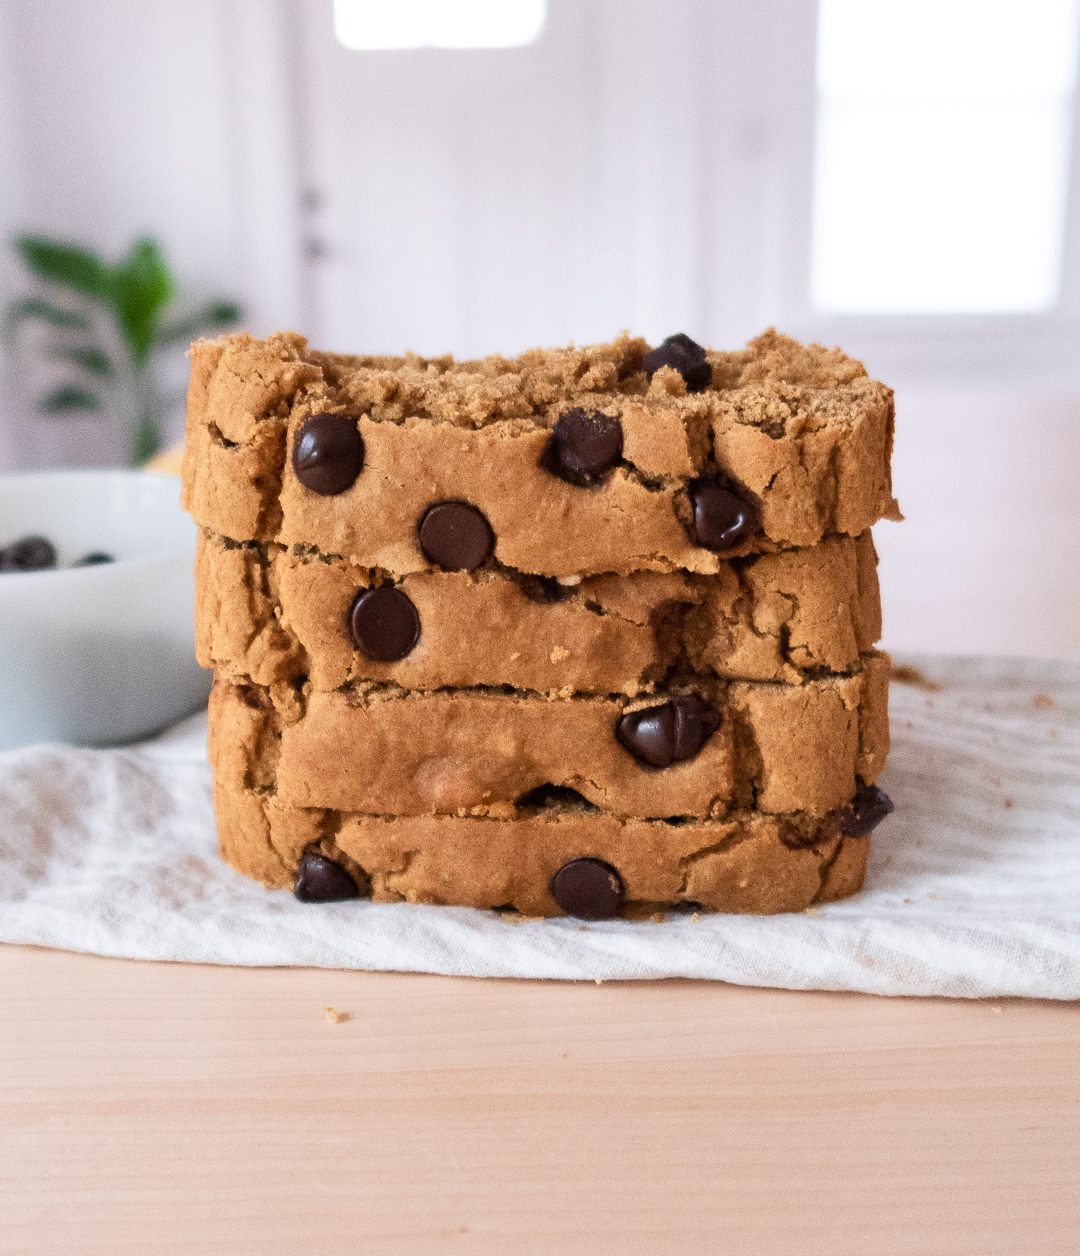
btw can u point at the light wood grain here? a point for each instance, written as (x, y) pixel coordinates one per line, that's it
(198, 1110)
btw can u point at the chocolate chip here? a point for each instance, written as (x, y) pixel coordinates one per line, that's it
(649, 735)
(384, 623)
(94, 559)
(695, 723)
(456, 535)
(583, 446)
(865, 811)
(322, 880)
(31, 553)
(588, 888)
(328, 453)
(662, 735)
(724, 516)
(686, 356)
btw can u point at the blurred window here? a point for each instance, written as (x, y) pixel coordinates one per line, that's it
(942, 155)
(384, 24)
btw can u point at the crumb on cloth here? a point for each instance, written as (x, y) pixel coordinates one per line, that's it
(334, 1016)
(905, 675)
(1042, 702)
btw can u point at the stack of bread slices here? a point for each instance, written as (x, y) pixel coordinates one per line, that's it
(587, 631)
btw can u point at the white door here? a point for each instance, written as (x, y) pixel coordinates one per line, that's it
(621, 171)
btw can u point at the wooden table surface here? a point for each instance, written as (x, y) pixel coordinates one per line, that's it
(170, 1108)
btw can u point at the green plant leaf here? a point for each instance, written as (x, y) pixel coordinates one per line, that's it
(67, 399)
(145, 441)
(142, 287)
(68, 265)
(217, 314)
(26, 308)
(89, 357)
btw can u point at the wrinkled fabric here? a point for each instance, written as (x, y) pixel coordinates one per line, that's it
(973, 888)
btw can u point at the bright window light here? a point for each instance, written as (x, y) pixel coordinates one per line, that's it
(942, 154)
(382, 24)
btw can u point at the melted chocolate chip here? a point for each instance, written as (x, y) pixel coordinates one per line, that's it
(649, 735)
(695, 723)
(456, 535)
(723, 516)
(384, 623)
(31, 553)
(322, 880)
(662, 735)
(588, 888)
(328, 454)
(865, 811)
(583, 446)
(686, 356)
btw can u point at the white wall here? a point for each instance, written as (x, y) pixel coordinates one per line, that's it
(626, 170)
(986, 559)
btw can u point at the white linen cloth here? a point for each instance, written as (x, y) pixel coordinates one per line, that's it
(973, 887)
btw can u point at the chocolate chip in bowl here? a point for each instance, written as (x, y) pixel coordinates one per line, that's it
(29, 553)
(37, 553)
(97, 606)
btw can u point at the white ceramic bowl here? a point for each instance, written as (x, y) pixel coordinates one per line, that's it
(105, 654)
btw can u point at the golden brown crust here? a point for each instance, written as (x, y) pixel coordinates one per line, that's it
(266, 614)
(542, 524)
(237, 616)
(818, 463)
(239, 396)
(784, 614)
(816, 455)
(244, 739)
(829, 478)
(746, 863)
(781, 748)
(873, 717)
(843, 875)
(244, 837)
